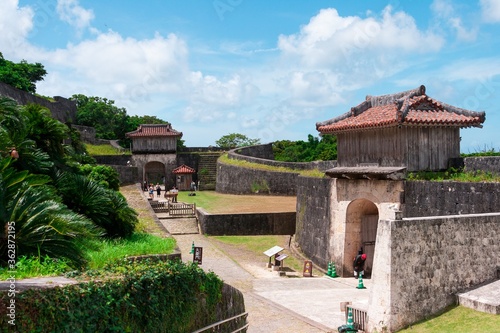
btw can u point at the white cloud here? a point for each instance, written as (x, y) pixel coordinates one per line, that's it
(330, 39)
(445, 11)
(126, 69)
(72, 13)
(312, 89)
(491, 10)
(15, 25)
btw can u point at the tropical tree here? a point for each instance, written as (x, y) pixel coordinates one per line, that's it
(235, 140)
(91, 199)
(47, 133)
(14, 135)
(109, 121)
(22, 75)
(41, 223)
(103, 174)
(306, 151)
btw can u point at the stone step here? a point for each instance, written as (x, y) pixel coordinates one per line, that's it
(181, 225)
(485, 298)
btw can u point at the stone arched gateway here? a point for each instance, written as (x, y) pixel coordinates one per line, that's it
(156, 168)
(154, 172)
(361, 232)
(356, 207)
(154, 148)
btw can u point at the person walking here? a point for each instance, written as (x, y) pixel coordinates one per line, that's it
(359, 264)
(151, 191)
(175, 192)
(158, 190)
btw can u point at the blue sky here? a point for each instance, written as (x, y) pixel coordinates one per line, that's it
(266, 69)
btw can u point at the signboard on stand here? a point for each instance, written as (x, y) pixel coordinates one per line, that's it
(307, 268)
(198, 255)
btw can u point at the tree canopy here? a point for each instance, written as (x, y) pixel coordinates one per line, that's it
(235, 140)
(110, 122)
(22, 75)
(47, 191)
(314, 149)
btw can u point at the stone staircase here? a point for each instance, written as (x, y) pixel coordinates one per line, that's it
(207, 170)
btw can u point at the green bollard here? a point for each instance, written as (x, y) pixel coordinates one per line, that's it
(329, 271)
(350, 319)
(334, 271)
(360, 282)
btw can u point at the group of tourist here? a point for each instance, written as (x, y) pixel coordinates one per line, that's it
(151, 189)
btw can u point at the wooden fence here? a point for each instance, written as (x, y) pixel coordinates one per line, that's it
(174, 209)
(180, 209)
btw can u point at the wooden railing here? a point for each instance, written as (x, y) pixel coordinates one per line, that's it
(180, 209)
(173, 208)
(159, 206)
(219, 325)
(359, 317)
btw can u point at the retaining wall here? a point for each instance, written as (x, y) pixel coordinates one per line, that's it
(313, 218)
(237, 180)
(62, 109)
(263, 154)
(246, 224)
(113, 159)
(425, 198)
(421, 263)
(487, 164)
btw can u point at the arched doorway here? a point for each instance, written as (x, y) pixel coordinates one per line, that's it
(154, 172)
(361, 232)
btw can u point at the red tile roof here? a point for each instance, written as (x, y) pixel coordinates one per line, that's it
(408, 108)
(183, 169)
(154, 130)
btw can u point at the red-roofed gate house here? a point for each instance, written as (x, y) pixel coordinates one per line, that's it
(154, 148)
(378, 142)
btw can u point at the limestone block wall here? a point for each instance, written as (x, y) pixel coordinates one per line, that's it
(421, 263)
(425, 198)
(247, 224)
(487, 164)
(237, 180)
(61, 108)
(261, 155)
(260, 151)
(113, 159)
(128, 175)
(313, 218)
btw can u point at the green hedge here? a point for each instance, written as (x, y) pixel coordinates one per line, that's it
(140, 297)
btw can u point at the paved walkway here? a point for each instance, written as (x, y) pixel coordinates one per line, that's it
(280, 304)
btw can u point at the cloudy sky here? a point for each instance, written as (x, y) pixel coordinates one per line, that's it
(266, 69)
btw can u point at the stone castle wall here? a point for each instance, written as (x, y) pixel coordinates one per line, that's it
(421, 263)
(233, 179)
(486, 164)
(247, 224)
(62, 109)
(263, 154)
(313, 218)
(426, 198)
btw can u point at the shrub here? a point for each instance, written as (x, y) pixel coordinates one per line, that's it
(148, 297)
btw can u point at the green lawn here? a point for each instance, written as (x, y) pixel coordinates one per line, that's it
(102, 252)
(98, 253)
(458, 320)
(98, 150)
(258, 244)
(220, 203)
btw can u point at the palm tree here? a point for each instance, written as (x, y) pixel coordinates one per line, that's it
(14, 134)
(107, 208)
(43, 225)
